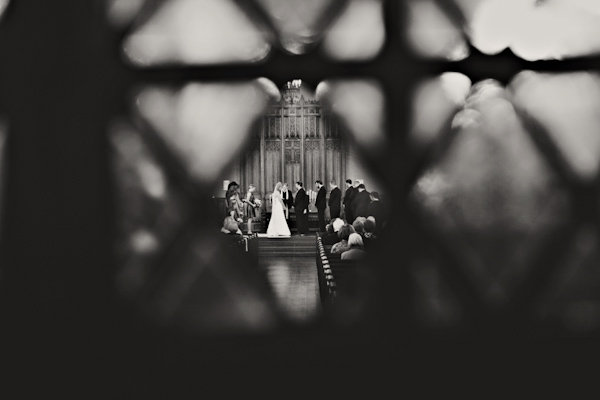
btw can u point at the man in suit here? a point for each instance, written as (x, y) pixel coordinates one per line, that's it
(376, 210)
(288, 200)
(335, 201)
(301, 209)
(360, 204)
(321, 204)
(348, 199)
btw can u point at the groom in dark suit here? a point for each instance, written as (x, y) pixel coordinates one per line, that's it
(321, 204)
(301, 209)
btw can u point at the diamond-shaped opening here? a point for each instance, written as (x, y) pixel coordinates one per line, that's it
(357, 34)
(566, 107)
(300, 25)
(189, 236)
(208, 32)
(197, 32)
(432, 33)
(532, 30)
(491, 195)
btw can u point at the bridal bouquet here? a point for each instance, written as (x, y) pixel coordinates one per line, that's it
(257, 203)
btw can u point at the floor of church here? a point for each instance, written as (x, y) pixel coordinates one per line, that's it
(289, 264)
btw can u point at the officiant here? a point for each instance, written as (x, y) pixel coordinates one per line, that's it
(288, 200)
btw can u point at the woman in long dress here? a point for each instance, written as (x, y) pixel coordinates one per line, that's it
(278, 225)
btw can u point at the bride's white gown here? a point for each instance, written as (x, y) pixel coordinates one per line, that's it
(278, 225)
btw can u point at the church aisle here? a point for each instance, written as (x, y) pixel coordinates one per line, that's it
(290, 267)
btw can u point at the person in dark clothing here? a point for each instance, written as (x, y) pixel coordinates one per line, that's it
(335, 201)
(376, 210)
(360, 204)
(321, 204)
(348, 199)
(301, 209)
(369, 237)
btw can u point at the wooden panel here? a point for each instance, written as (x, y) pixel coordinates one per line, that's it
(334, 161)
(252, 168)
(272, 164)
(292, 171)
(313, 165)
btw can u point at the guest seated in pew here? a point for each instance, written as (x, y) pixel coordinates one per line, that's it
(333, 237)
(344, 233)
(369, 236)
(356, 248)
(231, 227)
(328, 230)
(359, 226)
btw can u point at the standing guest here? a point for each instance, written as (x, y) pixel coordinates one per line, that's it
(376, 209)
(348, 199)
(344, 234)
(301, 208)
(234, 203)
(335, 201)
(361, 202)
(355, 248)
(288, 200)
(321, 204)
(252, 205)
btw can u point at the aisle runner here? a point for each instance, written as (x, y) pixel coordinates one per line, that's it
(291, 270)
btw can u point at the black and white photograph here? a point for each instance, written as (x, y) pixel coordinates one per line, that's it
(218, 198)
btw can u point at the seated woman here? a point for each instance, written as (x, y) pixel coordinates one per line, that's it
(234, 203)
(356, 251)
(344, 234)
(230, 226)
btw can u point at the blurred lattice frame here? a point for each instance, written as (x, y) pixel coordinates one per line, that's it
(397, 69)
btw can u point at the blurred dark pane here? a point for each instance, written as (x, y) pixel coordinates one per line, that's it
(571, 301)
(206, 289)
(491, 196)
(436, 306)
(3, 164)
(150, 209)
(196, 32)
(359, 32)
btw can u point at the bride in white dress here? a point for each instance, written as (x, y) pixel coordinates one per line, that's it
(278, 225)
